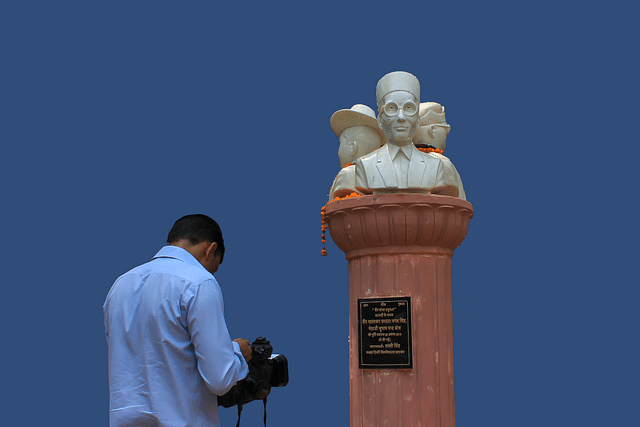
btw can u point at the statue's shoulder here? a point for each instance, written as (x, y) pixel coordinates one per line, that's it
(437, 155)
(431, 157)
(371, 157)
(344, 183)
(346, 173)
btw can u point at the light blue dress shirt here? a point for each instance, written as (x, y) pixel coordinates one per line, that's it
(170, 352)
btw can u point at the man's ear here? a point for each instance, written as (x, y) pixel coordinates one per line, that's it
(211, 249)
(354, 148)
(430, 131)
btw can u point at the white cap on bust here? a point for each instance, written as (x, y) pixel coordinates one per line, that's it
(358, 115)
(397, 80)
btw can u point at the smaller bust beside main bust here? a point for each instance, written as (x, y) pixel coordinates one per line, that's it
(398, 166)
(432, 136)
(359, 135)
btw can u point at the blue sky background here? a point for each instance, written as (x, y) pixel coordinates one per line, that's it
(117, 118)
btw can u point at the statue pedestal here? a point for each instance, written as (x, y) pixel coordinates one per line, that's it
(400, 245)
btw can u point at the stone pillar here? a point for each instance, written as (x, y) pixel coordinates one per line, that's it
(400, 245)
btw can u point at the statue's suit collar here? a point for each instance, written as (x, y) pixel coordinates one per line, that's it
(417, 164)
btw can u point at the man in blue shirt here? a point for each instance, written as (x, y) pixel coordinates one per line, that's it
(170, 353)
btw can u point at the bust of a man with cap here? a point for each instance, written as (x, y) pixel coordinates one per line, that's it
(398, 166)
(359, 135)
(432, 134)
(433, 129)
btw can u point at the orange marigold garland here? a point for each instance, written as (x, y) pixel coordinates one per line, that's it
(347, 196)
(426, 148)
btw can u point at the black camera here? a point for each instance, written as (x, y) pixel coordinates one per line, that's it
(265, 371)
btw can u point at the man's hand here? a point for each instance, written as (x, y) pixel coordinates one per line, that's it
(245, 347)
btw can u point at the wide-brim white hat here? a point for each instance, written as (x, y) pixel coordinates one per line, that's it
(358, 115)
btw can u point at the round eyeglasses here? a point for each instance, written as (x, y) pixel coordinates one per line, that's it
(408, 109)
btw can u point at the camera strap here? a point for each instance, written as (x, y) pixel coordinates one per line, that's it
(239, 413)
(265, 413)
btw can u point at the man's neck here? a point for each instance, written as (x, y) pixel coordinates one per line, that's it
(401, 143)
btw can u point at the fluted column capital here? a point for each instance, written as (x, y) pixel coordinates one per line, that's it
(398, 223)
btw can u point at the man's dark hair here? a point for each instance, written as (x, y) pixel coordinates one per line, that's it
(197, 228)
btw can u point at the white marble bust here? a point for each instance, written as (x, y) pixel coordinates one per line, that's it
(398, 166)
(359, 134)
(433, 128)
(432, 133)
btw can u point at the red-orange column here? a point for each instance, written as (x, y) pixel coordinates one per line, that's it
(400, 245)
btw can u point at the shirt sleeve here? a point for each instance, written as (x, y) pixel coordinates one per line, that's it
(219, 359)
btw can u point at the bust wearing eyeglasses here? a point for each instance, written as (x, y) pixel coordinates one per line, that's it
(399, 166)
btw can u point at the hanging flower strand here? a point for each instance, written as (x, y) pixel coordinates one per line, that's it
(323, 212)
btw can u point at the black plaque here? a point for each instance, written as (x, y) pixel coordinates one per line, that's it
(384, 333)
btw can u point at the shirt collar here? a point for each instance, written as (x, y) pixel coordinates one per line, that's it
(177, 253)
(395, 149)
